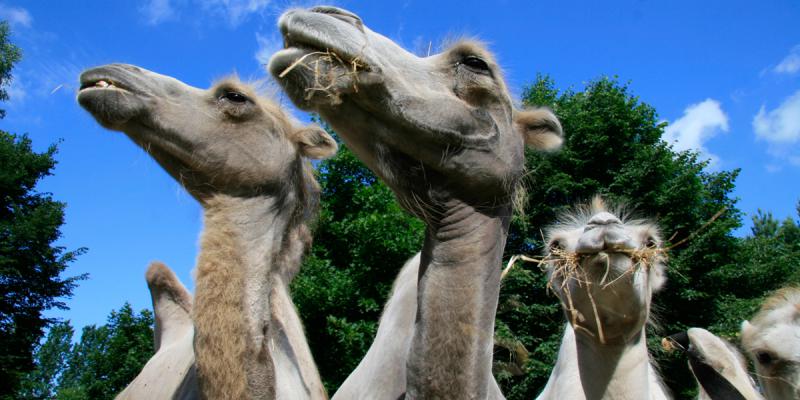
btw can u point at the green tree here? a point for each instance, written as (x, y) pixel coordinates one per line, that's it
(9, 55)
(51, 361)
(613, 147)
(108, 357)
(361, 241)
(30, 263)
(764, 261)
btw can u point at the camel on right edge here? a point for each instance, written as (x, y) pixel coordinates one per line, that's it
(718, 367)
(772, 340)
(442, 133)
(604, 269)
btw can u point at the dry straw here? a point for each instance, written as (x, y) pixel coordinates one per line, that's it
(326, 76)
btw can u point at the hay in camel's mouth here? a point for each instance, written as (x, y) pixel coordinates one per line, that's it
(566, 267)
(332, 75)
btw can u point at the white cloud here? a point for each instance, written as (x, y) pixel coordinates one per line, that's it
(16, 16)
(791, 63)
(700, 122)
(157, 11)
(780, 126)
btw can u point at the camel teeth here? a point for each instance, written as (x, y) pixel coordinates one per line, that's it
(102, 84)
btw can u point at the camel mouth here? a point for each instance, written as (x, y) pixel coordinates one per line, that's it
(102, 84)
(105, 92)
(322, 58)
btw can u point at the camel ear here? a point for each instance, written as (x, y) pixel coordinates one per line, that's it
(314, 142)
(658, 279)
(172, 304)
(540, 128)
(746, 326)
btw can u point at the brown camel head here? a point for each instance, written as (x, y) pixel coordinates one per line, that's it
(224, 139)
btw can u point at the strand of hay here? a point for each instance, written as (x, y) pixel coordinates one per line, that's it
(326, 82)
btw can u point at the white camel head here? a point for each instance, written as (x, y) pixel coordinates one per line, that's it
(604, 269)
(772, 340)
(430, 127)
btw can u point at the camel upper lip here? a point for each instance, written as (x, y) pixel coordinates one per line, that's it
(104, 79)
(305, 37)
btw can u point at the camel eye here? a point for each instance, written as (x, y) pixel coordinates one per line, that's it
(555, 245)
(764, 357)
(234, 97)
(651, 242)
(476, 64)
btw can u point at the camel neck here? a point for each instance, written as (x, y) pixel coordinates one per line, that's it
(235, 274)
(616, 371)
(459, 282)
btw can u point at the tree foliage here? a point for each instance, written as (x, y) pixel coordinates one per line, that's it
(99, 366)
(9, 55)
(30, 263)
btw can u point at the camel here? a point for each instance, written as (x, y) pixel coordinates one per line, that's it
(442, 133)
(243, 159)
(604, 269)
(718, 367)
(171, 369)
(772, 340)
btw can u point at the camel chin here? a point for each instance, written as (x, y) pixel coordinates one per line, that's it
(111, 105)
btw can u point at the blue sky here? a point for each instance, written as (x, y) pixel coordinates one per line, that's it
(725, 74)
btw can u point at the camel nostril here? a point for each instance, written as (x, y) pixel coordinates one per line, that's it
(340, 14)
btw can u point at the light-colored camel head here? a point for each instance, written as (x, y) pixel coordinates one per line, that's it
(604, 269)
(443, 123)
(224, 139)
(772, 340)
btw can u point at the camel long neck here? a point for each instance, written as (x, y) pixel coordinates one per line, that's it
(235, 274)
(459, 282)
(614, 371)
(587, 369)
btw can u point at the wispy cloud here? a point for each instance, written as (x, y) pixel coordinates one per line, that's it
(790, 64)
(157, 11)
(16, 16)
(700, 122)
(17, 92)
(234, 12)
(780, 128)
(267, 46)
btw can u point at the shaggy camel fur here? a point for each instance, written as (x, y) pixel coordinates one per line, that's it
(604, 269)
(242, 158)
(772, 340)
(718, 367)
(442, 133)
(172, 366)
